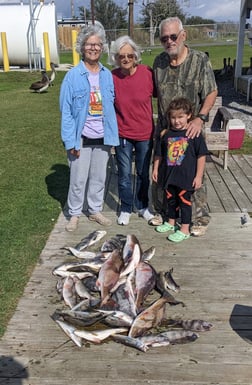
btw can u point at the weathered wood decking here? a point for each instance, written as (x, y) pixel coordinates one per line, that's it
(228, 190)
(215, 275)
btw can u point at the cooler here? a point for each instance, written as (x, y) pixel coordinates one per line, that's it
(236, 132)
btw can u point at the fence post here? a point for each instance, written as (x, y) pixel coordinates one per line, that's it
(5, 52)
(76, 56)
(47, 51)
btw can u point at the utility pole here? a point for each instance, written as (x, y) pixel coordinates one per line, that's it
(72, 9)
(92, 11)
(152, 30)
(131, 18)
(149, 8)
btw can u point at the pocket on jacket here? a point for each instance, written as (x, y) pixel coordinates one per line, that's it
(79, 99)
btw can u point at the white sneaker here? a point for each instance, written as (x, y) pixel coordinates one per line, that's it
(124, 218)
(146, 214)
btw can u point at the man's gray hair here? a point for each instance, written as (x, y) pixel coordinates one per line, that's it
(85, 34)
(117, 45)
(169, 20)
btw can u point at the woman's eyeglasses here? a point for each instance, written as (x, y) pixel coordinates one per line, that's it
(127, 55)
(91, 45)
(172, 37)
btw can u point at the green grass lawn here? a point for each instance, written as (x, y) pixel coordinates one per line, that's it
(34, 178)
(216, 53)
(34, 175)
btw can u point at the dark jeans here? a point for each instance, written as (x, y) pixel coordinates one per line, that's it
(124, 156)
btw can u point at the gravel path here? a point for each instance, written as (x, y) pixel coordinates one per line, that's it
(236, 103)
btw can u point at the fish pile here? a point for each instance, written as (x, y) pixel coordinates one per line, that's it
(106, 294)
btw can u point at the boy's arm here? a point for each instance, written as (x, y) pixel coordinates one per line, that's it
(201, 162)
(156, 164)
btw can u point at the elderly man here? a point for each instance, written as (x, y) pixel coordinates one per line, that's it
(182, 71)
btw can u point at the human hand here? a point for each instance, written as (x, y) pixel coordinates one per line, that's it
(155, 175)
(197, 182)
(75, 153)
(194, 128)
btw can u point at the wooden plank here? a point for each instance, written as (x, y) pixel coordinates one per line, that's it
(237, 184)
(153, 372)
(216, 135)
(244, 165)
(248, 159)
(214, 110)
(244, 198)
(214, 203)
(228, 202)
(217, 141)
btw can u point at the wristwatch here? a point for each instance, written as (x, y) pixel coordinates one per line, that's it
(203, 117)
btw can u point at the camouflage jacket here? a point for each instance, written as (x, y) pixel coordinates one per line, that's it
(193, 79)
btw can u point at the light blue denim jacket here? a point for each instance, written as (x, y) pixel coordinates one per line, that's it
(74, 104)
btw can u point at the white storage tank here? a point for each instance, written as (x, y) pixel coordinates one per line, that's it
(22, 30)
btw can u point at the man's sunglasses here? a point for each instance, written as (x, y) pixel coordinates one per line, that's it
(172, 37)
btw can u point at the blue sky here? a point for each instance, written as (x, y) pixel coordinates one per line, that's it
(219, 10)
(223, 10)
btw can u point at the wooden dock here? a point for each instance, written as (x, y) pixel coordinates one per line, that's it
(230, 190)
(215, 275)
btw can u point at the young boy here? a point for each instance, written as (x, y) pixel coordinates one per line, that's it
(179, 164)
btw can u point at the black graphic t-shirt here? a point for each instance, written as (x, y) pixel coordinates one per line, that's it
(179, 158)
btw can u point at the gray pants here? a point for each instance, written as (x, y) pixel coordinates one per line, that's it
(87, 179)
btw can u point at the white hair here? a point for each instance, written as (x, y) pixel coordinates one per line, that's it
(117, 45)
(169, 20)
(85, 34)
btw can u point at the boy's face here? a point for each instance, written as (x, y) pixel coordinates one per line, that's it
(179, 119)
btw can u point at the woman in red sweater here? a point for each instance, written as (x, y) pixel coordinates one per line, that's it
(134, 89)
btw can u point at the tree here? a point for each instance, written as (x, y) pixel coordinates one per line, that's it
(155, 11)
(196, 20)
(110, 15)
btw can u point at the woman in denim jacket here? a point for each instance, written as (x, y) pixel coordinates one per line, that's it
(88, 127)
